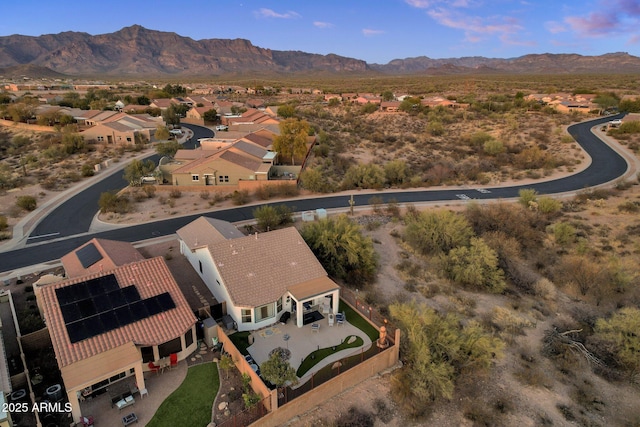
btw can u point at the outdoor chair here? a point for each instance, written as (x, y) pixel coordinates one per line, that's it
(173, 359)
(340, 318)
(315, 327)
(153, 367)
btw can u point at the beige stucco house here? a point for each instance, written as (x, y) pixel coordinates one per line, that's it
(259, 276)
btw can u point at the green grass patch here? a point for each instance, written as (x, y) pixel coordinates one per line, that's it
(315, 357)
(191, 403)
(358, 321)
(241, 341)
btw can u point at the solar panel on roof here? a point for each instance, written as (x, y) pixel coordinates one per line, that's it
(166, 302)
(70, 312)
(86, 307)
(102, 304)
(88, 255)
(99, 305)
(153, 306)
(131, 294)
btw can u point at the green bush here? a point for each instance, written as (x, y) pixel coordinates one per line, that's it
(28, 203)
(3, 223)
(87, 170)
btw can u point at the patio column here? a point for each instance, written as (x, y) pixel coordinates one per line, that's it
(72, 395)
(139, 376)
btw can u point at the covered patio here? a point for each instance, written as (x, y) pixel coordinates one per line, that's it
(321, 294)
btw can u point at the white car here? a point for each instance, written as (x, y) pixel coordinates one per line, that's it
(222, 127)
(616, 122)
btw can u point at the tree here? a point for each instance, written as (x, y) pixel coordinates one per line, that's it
(314, 180)
(168, 149)
(342, 249)
(226, 364)
(475, 266)
(564, 233)
(210, 115)
(270, 217)
(364, 176)
(292, 140)
(278, 371)
(162, 133)
(621, 332)
(410, 105)
(286, 111)
(527, 196)
(135, 170)
(72, 140)
(395, 172)
(436, 232)
(437, 349)
(143, 100)
(387, 95)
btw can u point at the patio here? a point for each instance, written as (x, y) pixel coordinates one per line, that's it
(303, 341)
(159, 387)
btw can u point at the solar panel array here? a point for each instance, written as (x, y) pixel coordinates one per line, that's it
(99, 305)
(88, 255)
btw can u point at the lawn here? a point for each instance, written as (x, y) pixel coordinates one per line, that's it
(191, 403)
(358, 321)
(315, 357)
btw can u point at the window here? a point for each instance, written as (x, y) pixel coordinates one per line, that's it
(147, 354)
(223, 178)
(100, 139)
(188, 338)
(246, 315)
(200, 265)
(279, 305)
(265, 312)
(128, 139)
(195, 177)
(169, 347)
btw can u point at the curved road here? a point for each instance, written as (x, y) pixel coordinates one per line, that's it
(74, 216)
(607, 165)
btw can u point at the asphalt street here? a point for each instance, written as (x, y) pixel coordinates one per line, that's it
(74, 217)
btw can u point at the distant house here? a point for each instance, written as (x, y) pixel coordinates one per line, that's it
(251, 116)
(259, 276)
(108, 323)
(219, 164)
(121, 128)
(390, 106)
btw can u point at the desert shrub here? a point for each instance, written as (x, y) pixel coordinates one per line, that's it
(493, 147)
(545, 289)
(474, 266)
(271, 217)
(435, 232)
(110, 201)
(564, 233)
(355, 417)
(87, 170)
(506, 320)
(363, 176)
(619, 335)
(175, 194)
(527, 196)
(629, 206)
(313, 179)
(28, 203)
(548, 205)
(204, 195)
(149, 191)
(3, 223)
(240, 197)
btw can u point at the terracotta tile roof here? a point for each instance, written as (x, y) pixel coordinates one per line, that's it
(242, 161)
(151, 277)
(258, 269)
(207, 231)
(114, 254)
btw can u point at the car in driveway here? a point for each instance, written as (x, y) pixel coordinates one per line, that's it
(222, 127)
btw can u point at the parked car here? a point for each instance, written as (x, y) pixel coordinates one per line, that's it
(222, 127)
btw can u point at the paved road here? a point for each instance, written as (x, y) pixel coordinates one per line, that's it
(74, 216)
(607, 165)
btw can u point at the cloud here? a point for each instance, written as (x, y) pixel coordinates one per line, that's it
(320, 24)
(555, 27)
(368, 32)
(269, 13)
(474, 26)
(425, 4)
(614, 17)
(635, 39)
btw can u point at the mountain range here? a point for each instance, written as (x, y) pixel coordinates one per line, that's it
(137, 51)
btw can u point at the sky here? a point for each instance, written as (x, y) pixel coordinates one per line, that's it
(376, 31)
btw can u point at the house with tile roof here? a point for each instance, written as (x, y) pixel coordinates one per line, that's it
(219, 163)
(260, 276)
(106, 325)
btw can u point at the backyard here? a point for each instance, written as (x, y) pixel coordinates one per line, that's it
(191, 403)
